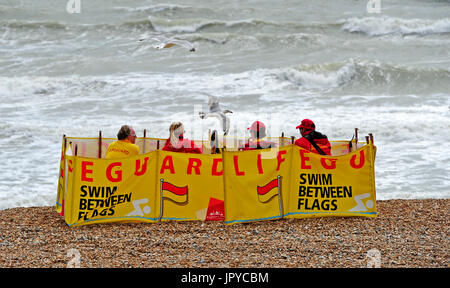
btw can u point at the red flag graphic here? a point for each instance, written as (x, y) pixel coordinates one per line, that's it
(267, 192)
(177, 194)
(174, 189)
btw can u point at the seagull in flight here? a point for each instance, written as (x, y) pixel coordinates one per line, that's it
(217, 112)
(162, 42)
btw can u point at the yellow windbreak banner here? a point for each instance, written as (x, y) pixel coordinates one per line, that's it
(101, 190)
(332, 186)
(255, 183)
(295, 183)
(191, 186)
(235, 186)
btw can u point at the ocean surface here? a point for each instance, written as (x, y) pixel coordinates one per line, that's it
(386, 73)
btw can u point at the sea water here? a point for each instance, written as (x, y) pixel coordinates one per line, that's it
(77, 67)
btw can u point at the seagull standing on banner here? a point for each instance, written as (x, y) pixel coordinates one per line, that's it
(217, 112)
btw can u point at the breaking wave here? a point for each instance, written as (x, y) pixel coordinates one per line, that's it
(363, 74)
(194, 25)
(188, 25)
(371, 26)
(377, 26)
(32, 25)
(152, 8)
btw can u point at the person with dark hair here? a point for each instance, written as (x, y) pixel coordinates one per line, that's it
(176, 141)
(311, 139)
(258, 132)
(125, 146)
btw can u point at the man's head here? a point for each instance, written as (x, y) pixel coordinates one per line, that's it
(258, 129)
(126, 132)
(306, 127)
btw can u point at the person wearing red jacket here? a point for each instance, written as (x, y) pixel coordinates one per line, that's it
(312, 140)
(258, 131)
(177, 143)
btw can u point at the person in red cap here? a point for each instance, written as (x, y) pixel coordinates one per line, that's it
(312, 140)
(177, 143)
(258, 131)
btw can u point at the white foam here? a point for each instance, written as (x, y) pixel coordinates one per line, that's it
(322, 78)
(384, 25)
(151, 8)
(190, 25)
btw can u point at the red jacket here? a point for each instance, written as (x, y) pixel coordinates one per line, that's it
(259, 144)
(318, 138)
(185, 146)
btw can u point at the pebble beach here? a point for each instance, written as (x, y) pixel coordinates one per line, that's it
(406, 233)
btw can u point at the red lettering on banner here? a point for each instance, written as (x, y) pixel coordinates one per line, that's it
(143, 168)
(85, 171)
(259, 164)
(280, 159)
(194, 163)
(214, 171)
(236, 167)
(361, 160)
(167, 164)
(304, 159)
(330, 166)
(118, 172)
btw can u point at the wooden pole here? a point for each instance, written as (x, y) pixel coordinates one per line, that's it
(76, 149)
(356, 138)
(157, 145)
(216, 143)
(371, 137)
(65, 144)
(282, 138)
(224, 144)
(292, 139)
(210, 142)
(100, 144)
(143, 144)
(213, 141)
(367, 139)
